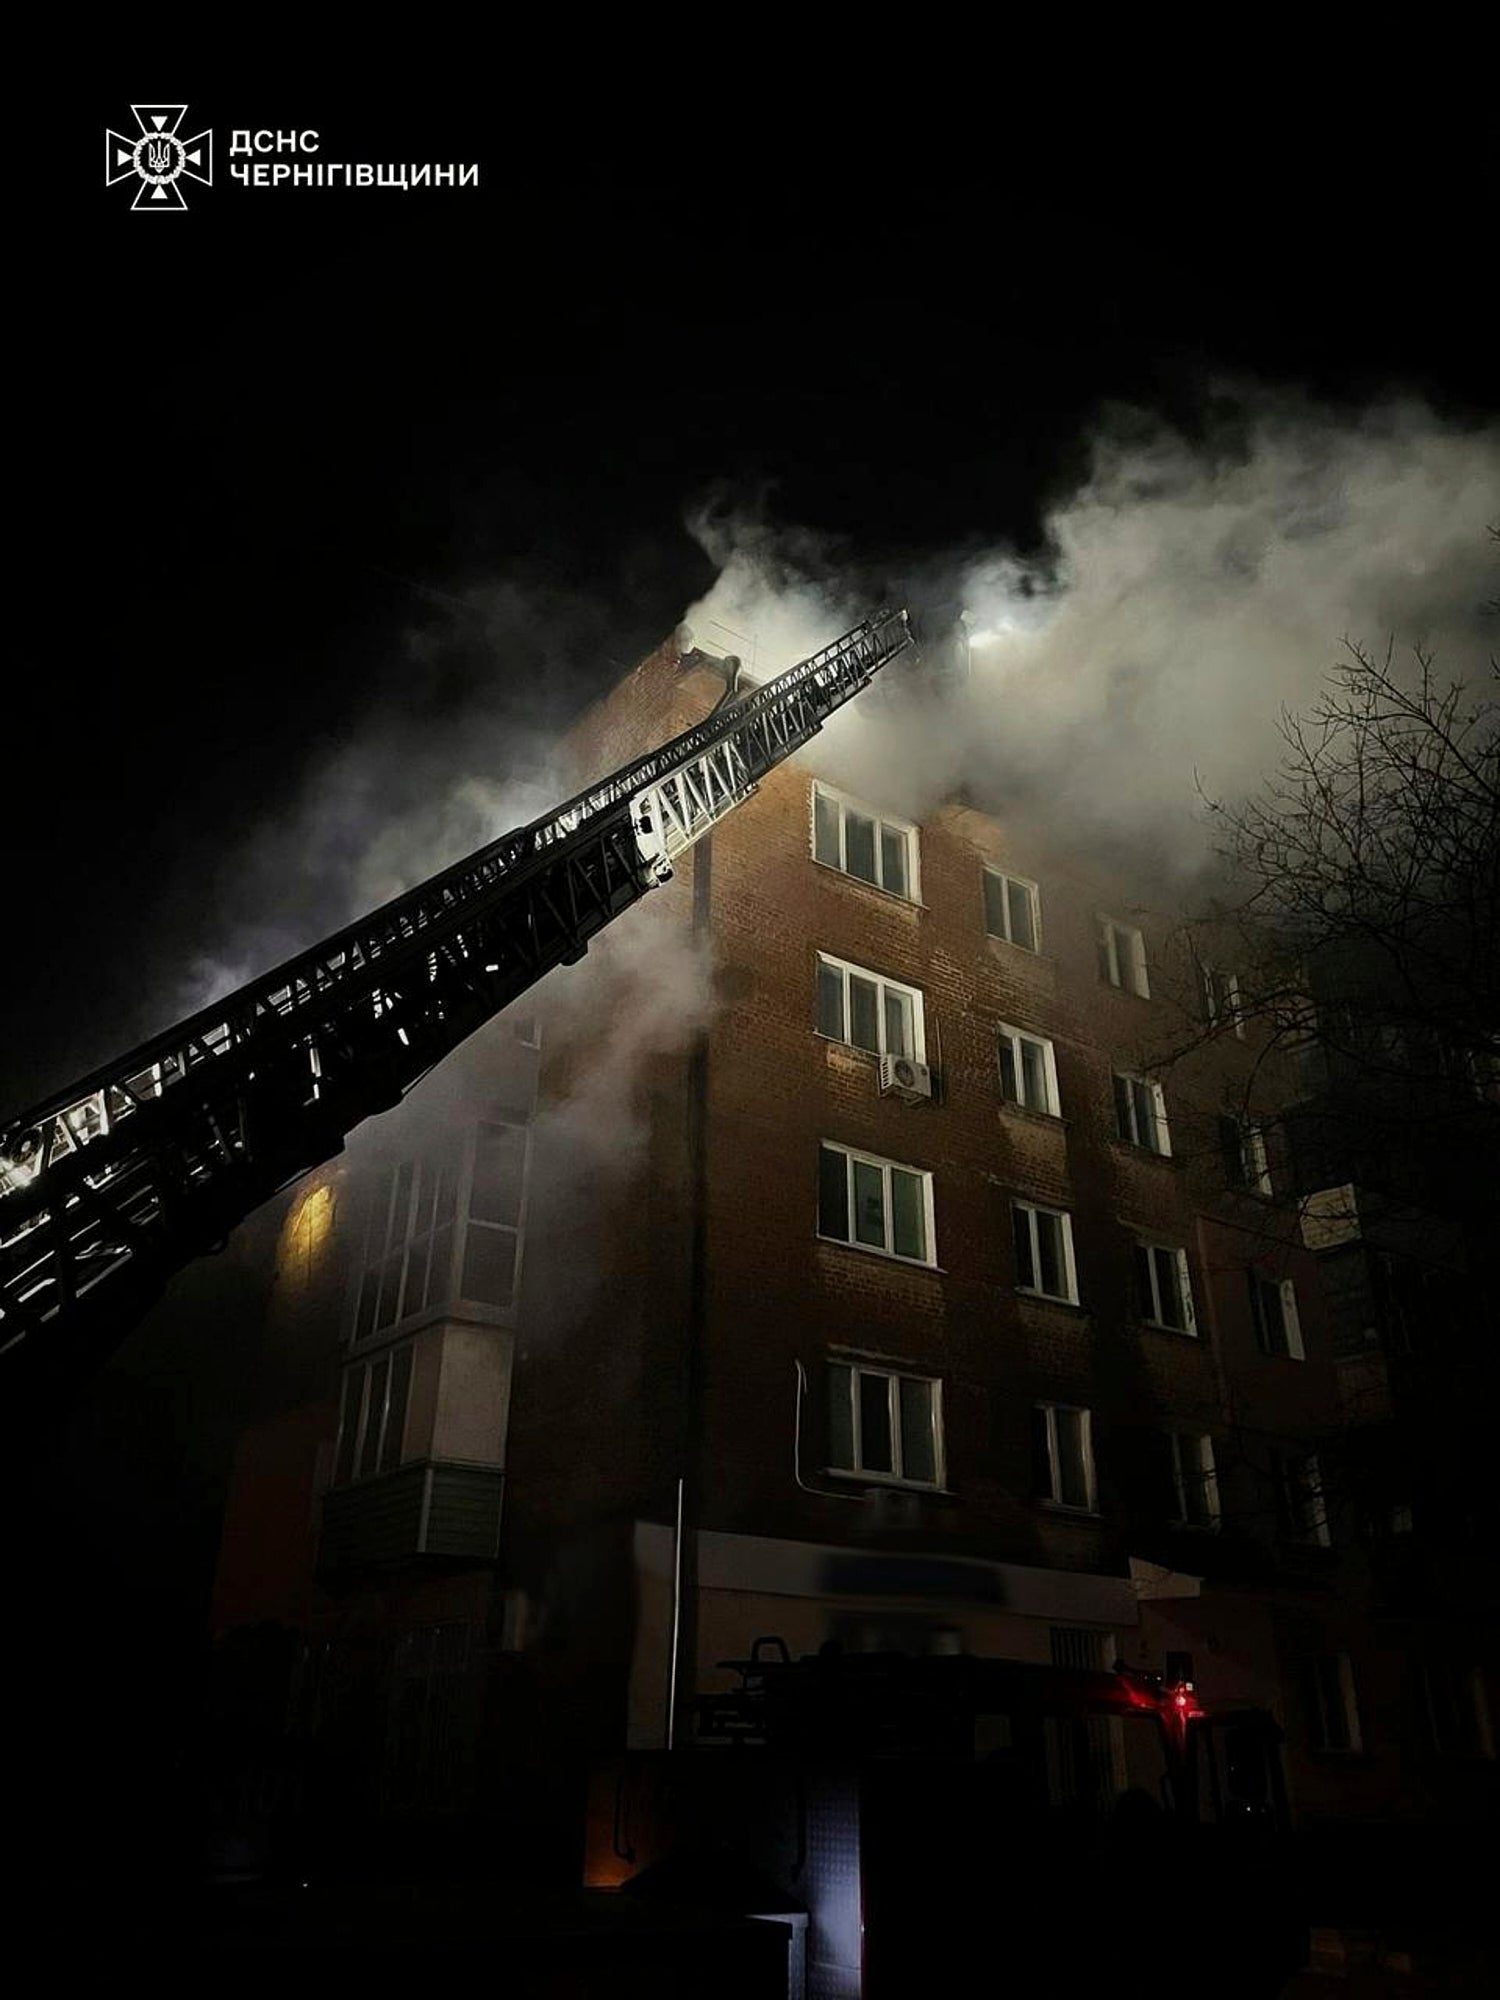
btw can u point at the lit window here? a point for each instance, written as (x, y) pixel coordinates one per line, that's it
(1219, 998)
(1195, 1482)
(1304, 1507)
(1064, 1452)
(1012, 910)
(869, 1012)
(1328, 1699)
(1141, 1113)
(851, 837)
(1243, 1146)
(1122, 956)
(1166, 1294)
(1044, 1252)
(372, 1415)
(1028, 1071)
(1273, 1312)
(884, 1424)
(875, 1203)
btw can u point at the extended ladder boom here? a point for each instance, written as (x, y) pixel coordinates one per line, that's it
(113, 1185)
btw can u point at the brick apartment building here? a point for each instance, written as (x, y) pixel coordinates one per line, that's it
(952, 1321)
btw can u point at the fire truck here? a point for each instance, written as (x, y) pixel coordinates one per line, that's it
(931, 1824)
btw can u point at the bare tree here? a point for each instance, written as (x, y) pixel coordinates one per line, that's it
(1370, 865)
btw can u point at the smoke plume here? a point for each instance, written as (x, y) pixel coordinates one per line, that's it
(1188, 590)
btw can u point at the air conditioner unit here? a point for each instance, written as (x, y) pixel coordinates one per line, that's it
(901, 1077)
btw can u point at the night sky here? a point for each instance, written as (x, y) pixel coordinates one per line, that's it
(263, 442)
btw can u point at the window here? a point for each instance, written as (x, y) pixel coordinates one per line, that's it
(1304, 1509)
(1012, 910)
(852, 838)
(1273, 1312)
(1166, 1293)
(872, 1013)
(1044, 1252)
(1458, 1714)
(886, 1425)
(443, 1227)
(1028, 1071)
(1243, 1146)
(1219, 998)
(1081, 1648)
(1195, 1482)
(1141, 1114)
(1064, 1455)
(1328, 1699)
(492, 1239)
(875, 1203)
(372, 1415)
(1122, 957)
(407, 1264)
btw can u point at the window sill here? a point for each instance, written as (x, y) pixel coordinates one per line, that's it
(1008, 945)
(1177, 1332)
(1128, 992)
(1063, 1511)
(890, 895)
(1047, 1299)
(1031, 1115)
(886, 1256)
(832, 1042)
(889, 1479)
(1135, 1152)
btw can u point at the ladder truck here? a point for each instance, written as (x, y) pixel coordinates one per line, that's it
(114, 1184)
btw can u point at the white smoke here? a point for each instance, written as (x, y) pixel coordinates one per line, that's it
(1189, 591)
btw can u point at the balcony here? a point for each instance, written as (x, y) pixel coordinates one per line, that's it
(423, 1509)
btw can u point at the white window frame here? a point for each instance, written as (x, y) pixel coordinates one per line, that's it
(846, 968)
(364, 1370)
(1153, 1304)
(1034, 899)
(1291, 1323)
(1318, 1731)
(1015, 1036)
(846, 804)
(1163, 1151)
(1220, 993)
(1086, 1435)
(379, 1218)
(851, 1156)
(1255, 1165)
(893, 1377)
(1206, 1479)
(1110, 933)
(1031, 1210)
(1307, 1500)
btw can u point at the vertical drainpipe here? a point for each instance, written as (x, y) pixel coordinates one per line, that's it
(690, 1450)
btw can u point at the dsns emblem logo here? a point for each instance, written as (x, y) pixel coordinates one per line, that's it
(158, 158)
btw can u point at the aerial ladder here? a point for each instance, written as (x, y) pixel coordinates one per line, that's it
(114, 1184)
